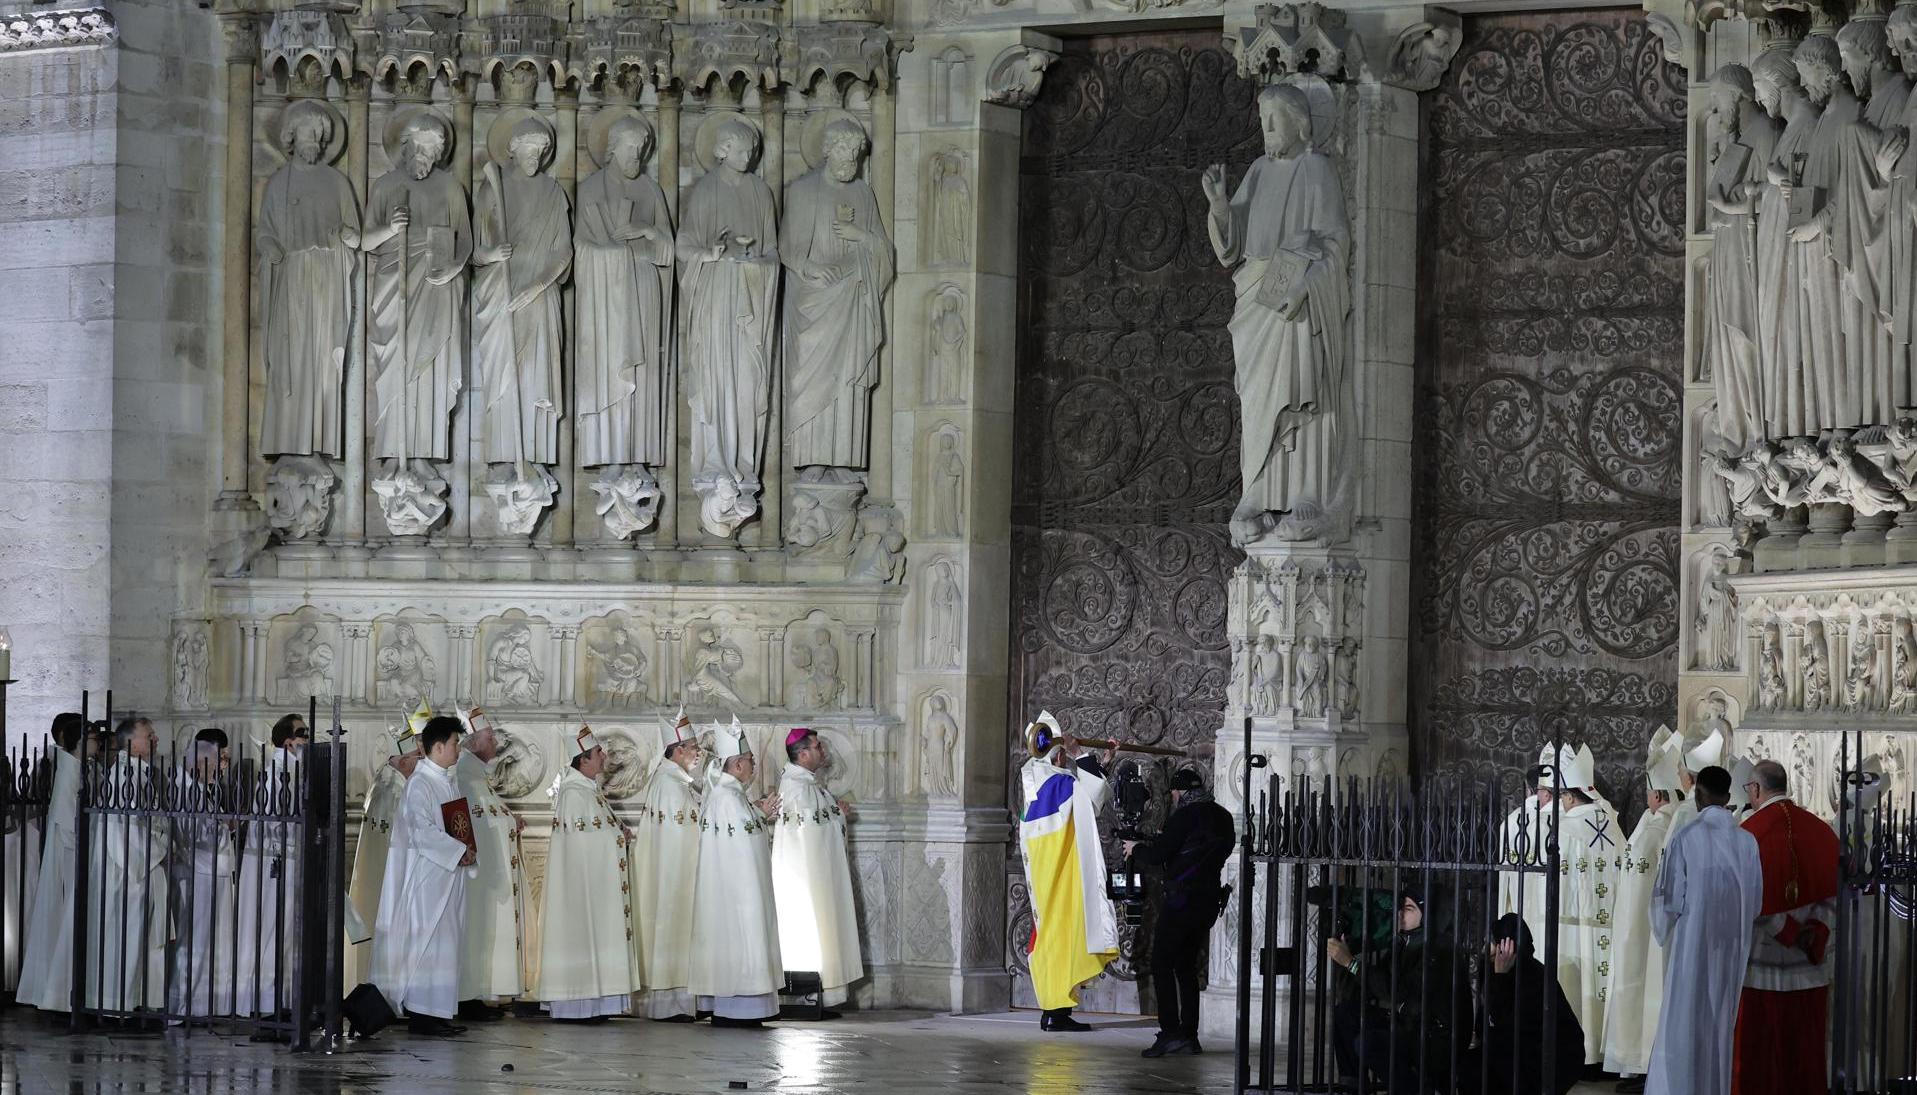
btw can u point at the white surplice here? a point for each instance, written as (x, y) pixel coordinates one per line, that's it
(46, 970)
(1635, 994)
(269, 892)
(812, 884)
(1521, 842)
(1588, 843)
(489, 948)
(1709, 890)
(204, 862)
(422, 903)
(587, 965)
(127, 922)
(736, 968)
(665, 868)
(369, 863)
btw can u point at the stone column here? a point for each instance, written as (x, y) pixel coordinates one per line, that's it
(672, 666)
(353, 488)
(772, 650)
(354, 677)
(241, 33)
(566, 642)
(671, 517)
(883, 170)
(460, 680)
(564, 520)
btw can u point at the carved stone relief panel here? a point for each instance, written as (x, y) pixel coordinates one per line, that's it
(187, 678)
(616, 654)
(1549, 427)
(305, 648)
(948, 347)
(515, 661)
(411, 654)
(815, 669)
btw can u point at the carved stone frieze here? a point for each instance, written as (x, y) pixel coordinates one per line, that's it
(1291, 40)
(726, 48)
(623, 53)
(316, 41)
(78, 28)
(417, 45)
(855, 48)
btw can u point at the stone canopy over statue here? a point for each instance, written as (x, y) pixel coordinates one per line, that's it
(1285, 233)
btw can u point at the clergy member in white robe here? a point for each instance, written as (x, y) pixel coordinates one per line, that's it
(127, 922)
(1589, 839)
(422, 904)
(1522, 841)
(46, 969)
(811, 876)
(665, 868)
(1075, 928)
(587, 966)
(1709, 890)
(269, 877)
(377, 814)
(489, 961)
(1635, 994)
(204, 863)
(737, 970)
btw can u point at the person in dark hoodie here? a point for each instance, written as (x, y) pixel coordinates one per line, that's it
(1515, 984)
(1411, 1008)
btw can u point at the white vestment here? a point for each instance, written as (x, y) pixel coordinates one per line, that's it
(1636, 989)
(586, 962)
(422, 903)
(812, 884)
(1709, 890)
(1589, 839)
(489, 945)
(1522, 842)
(665, 867)
(127, 929)
(269, 890)
(46, 971)
(736, 968)
(204, 862)
(369, 863)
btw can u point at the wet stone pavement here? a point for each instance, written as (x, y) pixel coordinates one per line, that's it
(891, 1052)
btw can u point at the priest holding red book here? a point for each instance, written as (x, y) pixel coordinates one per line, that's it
(1783, 1015)
(422, 903)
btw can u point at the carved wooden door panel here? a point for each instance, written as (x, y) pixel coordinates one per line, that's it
(1549, 403)
(1126, 423)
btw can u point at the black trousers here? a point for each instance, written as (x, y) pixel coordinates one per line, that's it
(1352, 1023)
(1178, 944)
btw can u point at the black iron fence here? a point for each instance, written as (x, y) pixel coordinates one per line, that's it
(190, 887)
(1393, 1008)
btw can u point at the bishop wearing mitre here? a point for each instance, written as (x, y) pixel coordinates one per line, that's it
(1075, 928)
(1588, 843)
(665, 867)
(736, 966)
(811, 878)
(587, 968)
(489, 950)
(422, 903)
(1635, 993)
(377, 814)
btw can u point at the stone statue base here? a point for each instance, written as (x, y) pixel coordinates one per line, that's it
(629, 497)
(1308, 523)
(520, 493)
(819, 523)
(725, 503)
(411, 496)
(299, 496)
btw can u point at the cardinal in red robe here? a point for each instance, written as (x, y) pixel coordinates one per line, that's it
(1783, 1014)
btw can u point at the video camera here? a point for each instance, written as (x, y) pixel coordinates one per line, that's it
(1125, 884)
(1349, 922)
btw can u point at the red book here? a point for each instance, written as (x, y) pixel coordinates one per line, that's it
(457, 816)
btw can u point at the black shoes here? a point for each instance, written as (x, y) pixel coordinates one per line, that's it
(723, 1023)
(432, 1026)
(1630, 1085)
(478, 1011)
(1173, 1045)
(1060, 1020)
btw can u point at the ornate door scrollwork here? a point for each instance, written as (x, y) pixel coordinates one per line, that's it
(1550, 394)
(1126, 458)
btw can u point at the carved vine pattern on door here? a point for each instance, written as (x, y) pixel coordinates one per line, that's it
(1549, 403)
(1125, 458)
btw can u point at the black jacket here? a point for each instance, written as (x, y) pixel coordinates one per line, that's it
(1190, 855)
(1514, 1023)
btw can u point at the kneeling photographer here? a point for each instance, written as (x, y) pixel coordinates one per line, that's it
(1190, 855)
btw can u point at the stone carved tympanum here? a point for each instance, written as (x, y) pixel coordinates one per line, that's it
(1285, 233)
(622, 275)
(729, 290)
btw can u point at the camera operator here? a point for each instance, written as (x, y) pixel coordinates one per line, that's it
(1191, 853)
